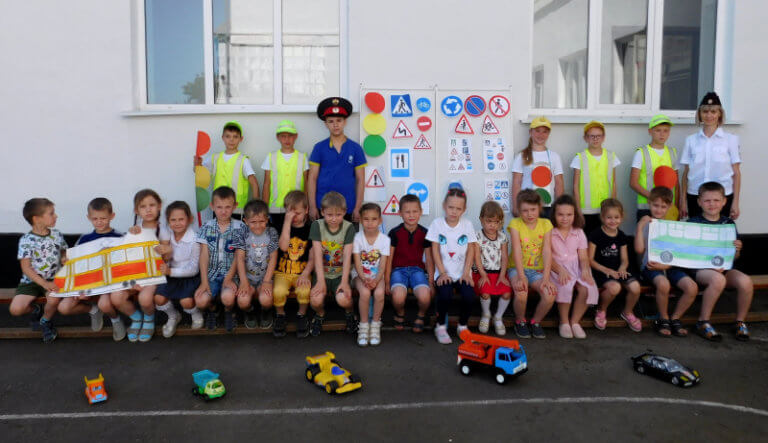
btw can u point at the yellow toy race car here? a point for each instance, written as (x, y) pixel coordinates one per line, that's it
(323, 370)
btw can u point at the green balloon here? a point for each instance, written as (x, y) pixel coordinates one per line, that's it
(203, 198)
(374, 145)
(545, 196)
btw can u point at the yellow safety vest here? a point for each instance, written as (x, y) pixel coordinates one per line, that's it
(286, 176)
(595, 181)
(230, 173)
(651, 157)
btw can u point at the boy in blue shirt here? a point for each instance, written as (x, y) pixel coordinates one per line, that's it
(336, 163)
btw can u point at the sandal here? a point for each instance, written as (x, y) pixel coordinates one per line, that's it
(742, 331)
(705, 330)
(678, 329)
(419, 324)
(399, 321)
(663, 327)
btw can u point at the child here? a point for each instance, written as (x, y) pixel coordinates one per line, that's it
(336, 163)
(452, 237)
(490, 261)
(535, 156)
(594, 175)
(371, 254)
(570, 267)
(647, 159)
(284, 171)
(712, 200)
(294, 266)
(40, 254)
(530, 263)
(405, 269)
(609, 259)
(332, 239)
(146, 206)
(224, 164)
(224, 240)
(100, 215)
(261, 246)
(182, 267)
(663, 276)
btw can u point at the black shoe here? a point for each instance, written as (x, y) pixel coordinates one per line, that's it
(250, 319)
(210, 320)
(351, 326)
(49, 332)
(278, 327)
(302, 326)
(230, 322)
(265, 318)
(316, 326)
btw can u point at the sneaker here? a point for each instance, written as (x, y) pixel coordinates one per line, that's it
(118, 330)
(537, 331)
(49, 332)
(250, 320)
(521, 330)
(742, 331)
(230, 322)
(351, 326)
(565, 330)
(600, 321)
(460, 328)
(633, 322)
(498, 326)
(197, 319)
(278, 328)
(210, 320)
(169, 328)
(441, 333)
(578, 331)
(316, 325)
(485, 324)
(97, 320)
(302, 325)
(265, 318)
(362, 334)
(375, 334)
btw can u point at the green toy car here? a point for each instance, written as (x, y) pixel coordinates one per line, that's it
(208, 385)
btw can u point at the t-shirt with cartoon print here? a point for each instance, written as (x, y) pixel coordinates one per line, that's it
(333, 245)
(370, 254)
(257, 251)
(44, 253)
(532, 242)
(490, 250)
(454, 242)
(295, 259)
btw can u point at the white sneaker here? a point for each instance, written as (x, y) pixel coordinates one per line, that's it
(485, 323)
(197, 320)
(97, 320)
(375, 335)
(118, 330)
(362, 333)
(441, 333)
(460, 328)
(169, 328)
(578, 331)
(565, 330)
(498, 326)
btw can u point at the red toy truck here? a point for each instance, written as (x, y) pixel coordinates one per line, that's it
(506, 357)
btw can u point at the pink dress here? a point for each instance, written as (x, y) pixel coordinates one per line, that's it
(565, 253)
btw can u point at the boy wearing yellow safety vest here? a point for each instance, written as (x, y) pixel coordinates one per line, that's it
(594, 175)
(224, 164)
(285, 170)
(649, 158)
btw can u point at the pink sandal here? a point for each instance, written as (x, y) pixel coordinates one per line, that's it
(600, 320)
(633, 322)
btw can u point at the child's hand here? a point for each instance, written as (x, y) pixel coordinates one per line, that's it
(737, 244)
(616, 275)
(503, 280)
(623, 274)
(345, 290)
(656, 266)
(372, 283)
(137, 287)
(313, 214)
(64, 258)
(443, 278)
(483, 280)
(244, 289)
(51, 286)
(548, 287)
(203, 289)
(521, 283)
(266, 288)
(229, 283)
(466, 277)
(303, 281)
(163, 249)
(564, 277)
(289, 216)
(134, 230)
(197, 161)
(165, 269)
(319, 289)
(387, 288)
(683, 209)
(587, 276)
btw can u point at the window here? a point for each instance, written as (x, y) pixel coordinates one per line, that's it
(210, 55)
(623, 56)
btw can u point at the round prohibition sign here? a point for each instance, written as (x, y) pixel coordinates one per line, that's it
(498, 105)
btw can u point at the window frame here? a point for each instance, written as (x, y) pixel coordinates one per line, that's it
(655, 29)
(210, 107)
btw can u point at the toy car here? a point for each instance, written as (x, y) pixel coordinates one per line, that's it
(323, 370)
(94, 390)
(505, 357)
(208, 385)
(666, 369)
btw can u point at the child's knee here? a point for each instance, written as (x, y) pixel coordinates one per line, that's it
(228, 297)
(661, 284)
(302, 295)
(244, 300)
(187, 303)
(344, 300)
(203, 300)
(521, 296)
(266, 300)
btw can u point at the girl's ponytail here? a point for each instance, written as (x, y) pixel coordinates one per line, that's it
(528, 152)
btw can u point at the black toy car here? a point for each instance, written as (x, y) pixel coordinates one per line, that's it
(666, 369)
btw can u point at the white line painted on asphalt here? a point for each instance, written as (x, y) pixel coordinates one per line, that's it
(382, 407)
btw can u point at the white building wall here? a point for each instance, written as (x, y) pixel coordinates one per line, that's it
(65, 88)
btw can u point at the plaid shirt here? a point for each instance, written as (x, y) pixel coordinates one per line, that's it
(222, 245)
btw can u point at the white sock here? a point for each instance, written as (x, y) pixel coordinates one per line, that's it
(115, 320)
(502, 307)
(191, 311)
(94, 310)
(485, 304)
(168, 309)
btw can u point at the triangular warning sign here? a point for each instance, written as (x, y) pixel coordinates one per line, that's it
(454, 151)
(463, 126)
(422, 143)
(393, 206)
(489, 127)
(402, 131)
(374, 180)
(461, 167)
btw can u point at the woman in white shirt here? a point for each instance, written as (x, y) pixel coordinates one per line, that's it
(710, 154)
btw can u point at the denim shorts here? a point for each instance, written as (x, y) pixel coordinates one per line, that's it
(216, 284)
(531, 274)
(408, 277)
(674, 275)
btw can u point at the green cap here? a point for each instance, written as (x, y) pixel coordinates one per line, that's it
(659, 119)
(235, 124)
(286, 126)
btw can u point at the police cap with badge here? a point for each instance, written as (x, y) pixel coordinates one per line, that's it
(334, 107)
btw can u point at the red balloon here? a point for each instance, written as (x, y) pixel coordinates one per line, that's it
(665, 176)
(375, 102)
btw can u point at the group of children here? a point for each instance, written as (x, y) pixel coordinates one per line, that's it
(254, 253)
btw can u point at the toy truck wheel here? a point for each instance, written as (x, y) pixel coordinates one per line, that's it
(501, 377)
(354, 378)
(331, 387)
(640, 369)
(465, 368)
(675, 381)
(311, 372)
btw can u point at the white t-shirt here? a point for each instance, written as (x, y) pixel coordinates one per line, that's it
(247, 168)
(267, 167)
(576, 163)
(556, 165)
(453, 242)
(370, 254)
(637, 160)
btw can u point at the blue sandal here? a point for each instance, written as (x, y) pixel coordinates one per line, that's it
(147, 328)
(133, 331)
